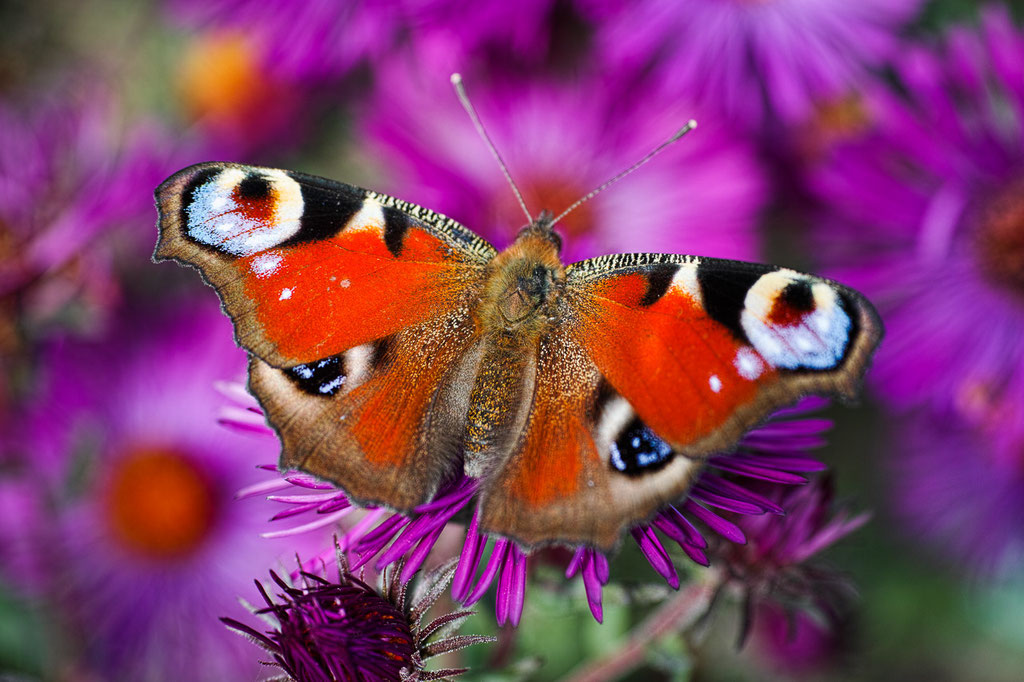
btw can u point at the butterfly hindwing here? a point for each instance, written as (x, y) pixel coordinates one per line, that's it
(307, 267)
(384, 419)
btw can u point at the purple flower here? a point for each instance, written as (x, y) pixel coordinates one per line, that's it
(956, 486)
(345, 630)
(926, 216)
(775, 452)
(502, 36)
(145, 547)
(797, 643)
(561, 141)
(257, 76)
(239, 105)
(804, 602)
(75, 182)
(757, 60)
(300, 42)
(781, 544)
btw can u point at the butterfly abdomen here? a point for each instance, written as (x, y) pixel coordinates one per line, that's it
(520, 294)
(500, 398)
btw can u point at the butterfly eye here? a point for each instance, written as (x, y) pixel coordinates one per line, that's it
(638, 450)
(323, 377)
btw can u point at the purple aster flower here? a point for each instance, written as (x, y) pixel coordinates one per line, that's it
(237, 103)
(925, 215)
(345, 630)
(301, 42)
(943, 458)
(757, 60)
(255, 75)
(134, 483)
(775, 452)
(74, 180)
(502, 36)
(804, 602)
(560, 141)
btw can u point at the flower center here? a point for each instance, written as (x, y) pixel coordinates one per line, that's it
(833, 122)
(221, 79)
(159, 504)
(1000, 238)
(343, 628)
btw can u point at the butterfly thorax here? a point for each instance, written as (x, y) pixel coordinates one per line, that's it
(520, 298)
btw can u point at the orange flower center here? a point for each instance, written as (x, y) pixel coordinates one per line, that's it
(159, 504)
(833, 122)
(221, 79)
(842, 116)
(1000, 239)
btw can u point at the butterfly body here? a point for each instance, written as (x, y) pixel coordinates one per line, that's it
(392, 349)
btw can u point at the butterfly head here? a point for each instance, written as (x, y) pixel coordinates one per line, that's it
(542, 228)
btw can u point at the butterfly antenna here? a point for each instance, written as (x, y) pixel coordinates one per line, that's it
(460, 91)
(690, 125)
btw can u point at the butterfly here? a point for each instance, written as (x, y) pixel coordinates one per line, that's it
(393, 349)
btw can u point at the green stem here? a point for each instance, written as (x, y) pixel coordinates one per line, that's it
(678, 613)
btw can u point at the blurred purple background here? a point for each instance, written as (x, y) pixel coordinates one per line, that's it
(879, 142)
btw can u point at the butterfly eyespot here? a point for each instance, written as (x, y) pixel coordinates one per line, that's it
(795, 322)
(637, 450)
(323, 377)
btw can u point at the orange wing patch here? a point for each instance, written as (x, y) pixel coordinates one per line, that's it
(320, 298)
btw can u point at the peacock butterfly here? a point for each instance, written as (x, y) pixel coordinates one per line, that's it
(392, 348)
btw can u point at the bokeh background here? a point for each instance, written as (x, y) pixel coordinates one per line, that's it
(880, 142)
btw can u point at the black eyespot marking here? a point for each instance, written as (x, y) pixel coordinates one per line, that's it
(798, 296)
(396, 224)
(638, 451)
(254, 186)
(323, 377)
(852, 310)
(724, 291)
(659, 277)
(326, 208)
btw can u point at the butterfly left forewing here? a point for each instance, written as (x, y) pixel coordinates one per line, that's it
(308, 267)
